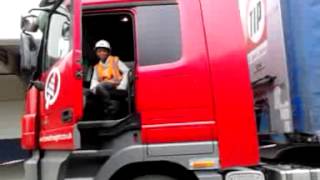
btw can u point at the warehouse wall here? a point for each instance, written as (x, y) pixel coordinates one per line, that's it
(11, 106)
(11, 87)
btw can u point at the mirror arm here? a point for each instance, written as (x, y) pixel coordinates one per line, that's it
(49, 11)
(38, 84)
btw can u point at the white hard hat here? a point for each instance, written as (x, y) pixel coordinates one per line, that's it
(103, 44)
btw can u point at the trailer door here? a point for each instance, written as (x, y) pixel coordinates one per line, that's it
(61, 100)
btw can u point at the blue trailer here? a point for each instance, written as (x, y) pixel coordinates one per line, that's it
(285, 66)
(301, 22)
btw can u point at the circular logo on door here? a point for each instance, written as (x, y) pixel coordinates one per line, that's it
(256, 20)
(52, 87)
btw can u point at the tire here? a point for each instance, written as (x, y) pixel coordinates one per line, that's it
(154, 177)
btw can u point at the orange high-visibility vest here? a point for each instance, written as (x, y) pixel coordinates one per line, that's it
(110, 70)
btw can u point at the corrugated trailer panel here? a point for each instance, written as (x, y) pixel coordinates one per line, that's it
(301, 22)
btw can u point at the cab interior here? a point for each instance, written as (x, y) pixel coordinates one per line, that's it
(117, 29)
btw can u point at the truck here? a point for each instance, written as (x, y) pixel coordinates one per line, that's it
(190, 106)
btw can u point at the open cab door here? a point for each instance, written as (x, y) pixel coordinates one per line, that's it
(61, 101)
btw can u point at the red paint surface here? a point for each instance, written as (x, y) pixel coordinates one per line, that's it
(178, 92)
(164, 133)
(237, 136)
(102, 2)
(56, 142)
(28, 121)
(70, 94)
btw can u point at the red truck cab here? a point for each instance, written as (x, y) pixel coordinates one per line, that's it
(189, 98)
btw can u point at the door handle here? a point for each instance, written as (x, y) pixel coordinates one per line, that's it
(66, 115)
(79, 74)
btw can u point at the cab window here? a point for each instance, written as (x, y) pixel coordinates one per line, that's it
(158, 34)
(59, 38)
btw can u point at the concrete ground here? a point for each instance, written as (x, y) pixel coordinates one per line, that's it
(12, 172)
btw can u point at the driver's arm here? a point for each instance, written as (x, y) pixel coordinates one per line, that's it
(94, 79)
(124, 70)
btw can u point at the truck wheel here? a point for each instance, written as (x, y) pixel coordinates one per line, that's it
(154, 177)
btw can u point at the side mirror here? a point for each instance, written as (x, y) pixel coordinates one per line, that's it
(30, 23)
(66, 31)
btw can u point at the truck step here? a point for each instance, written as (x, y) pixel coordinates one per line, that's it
(290, 172)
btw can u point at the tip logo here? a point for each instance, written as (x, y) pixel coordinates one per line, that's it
(52, 87)
(256, 19)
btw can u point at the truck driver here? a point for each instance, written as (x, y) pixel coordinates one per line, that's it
(109, 74)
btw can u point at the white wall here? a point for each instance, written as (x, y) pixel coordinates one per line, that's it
(11, 89)
(11, 106)
(10, 14)
(11, 113)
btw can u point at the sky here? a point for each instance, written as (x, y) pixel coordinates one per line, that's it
(10, 14)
